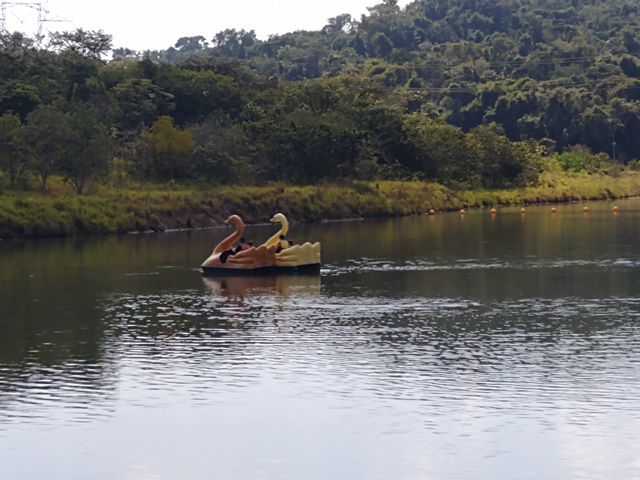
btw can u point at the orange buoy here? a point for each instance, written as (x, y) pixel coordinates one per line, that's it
(432, 212)
(462, 212)
(616, 209)
(493, 211)
(522, 211)
(554, 209)
(585, 209)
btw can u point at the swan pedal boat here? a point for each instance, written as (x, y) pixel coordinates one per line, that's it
(264, 259)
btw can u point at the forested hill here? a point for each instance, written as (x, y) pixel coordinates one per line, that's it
(563, 69)
(467, 93)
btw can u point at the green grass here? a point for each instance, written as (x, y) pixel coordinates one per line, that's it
(563, 187)
(59, 212)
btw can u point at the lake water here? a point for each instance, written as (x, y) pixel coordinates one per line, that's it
(428, 347)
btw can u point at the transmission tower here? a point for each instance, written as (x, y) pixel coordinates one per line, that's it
(15, 11)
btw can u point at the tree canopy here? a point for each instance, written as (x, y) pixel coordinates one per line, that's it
(458, 91)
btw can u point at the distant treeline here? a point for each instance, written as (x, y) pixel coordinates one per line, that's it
(467, 93)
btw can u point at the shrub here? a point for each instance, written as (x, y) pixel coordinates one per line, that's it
(570, 161)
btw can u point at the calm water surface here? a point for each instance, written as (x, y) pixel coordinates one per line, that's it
(444, 348)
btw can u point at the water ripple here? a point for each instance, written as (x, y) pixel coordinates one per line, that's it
(365, 265)
(526, 356)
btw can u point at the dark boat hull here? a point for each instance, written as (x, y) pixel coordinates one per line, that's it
(313, 269)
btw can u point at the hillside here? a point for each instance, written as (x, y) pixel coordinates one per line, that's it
(563, 69)
(468, 93)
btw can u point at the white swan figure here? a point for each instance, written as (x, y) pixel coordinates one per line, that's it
(305, 255)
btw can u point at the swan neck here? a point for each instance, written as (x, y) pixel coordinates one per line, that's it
(231, 240)
(285, 227)
(275, 239)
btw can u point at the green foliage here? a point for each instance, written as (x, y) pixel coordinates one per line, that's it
(88, 149)
(171, 150)
(18, 97)
(459, 92)
(49, 132)
(481, 158)
(138, 102)
(381, 46)
(14, 153)
(439, 150)
(501, 163)
(570, 161)
(581, 159)
(634, 165)
(86, 43)
(304, 147)
(537, 68)
(198, 94)
(222, 153)
(212, 165)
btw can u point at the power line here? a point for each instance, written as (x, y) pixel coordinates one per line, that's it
(542, 85)
(508, 63)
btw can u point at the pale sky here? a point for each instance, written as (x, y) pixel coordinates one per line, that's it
(146, 24)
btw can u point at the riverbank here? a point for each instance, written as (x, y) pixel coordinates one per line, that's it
(61, 213)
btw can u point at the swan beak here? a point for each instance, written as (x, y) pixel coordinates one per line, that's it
(273, 220)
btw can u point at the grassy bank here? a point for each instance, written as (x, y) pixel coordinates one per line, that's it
(61, 213)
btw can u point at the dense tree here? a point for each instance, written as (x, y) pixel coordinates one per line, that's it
(440, 151)
(449, 90)
(171, 150)
(49, 132)
(380, 45)
(138, 102)
(234, 43)
(18, 97)
(197, 94)
(499, 162)
(341, 23)
(222, 153)
(191, 44)
(88, 150)
(123, 53)
(14, 153)
(89, 43)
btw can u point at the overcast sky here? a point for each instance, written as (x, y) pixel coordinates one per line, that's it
(146, 24)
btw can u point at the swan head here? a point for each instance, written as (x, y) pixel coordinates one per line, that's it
(279, 218)
(234, 220)
(282, 220)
